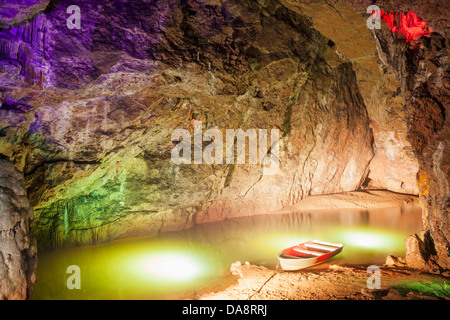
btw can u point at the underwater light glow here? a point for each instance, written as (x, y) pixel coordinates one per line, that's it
(366, 240)
(371, 239)
(173, 266)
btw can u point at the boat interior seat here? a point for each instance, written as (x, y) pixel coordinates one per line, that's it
(314, 253)
(319, 247)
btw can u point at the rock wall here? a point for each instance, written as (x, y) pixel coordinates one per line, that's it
(95, 143)
(18, 252)
(394, 165)
(422, 70)
(414, 80)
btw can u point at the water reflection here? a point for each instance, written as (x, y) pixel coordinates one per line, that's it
(154, 268)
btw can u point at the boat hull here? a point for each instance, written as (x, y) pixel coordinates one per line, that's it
(307, 254)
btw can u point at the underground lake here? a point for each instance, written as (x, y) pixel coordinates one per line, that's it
(174, 263)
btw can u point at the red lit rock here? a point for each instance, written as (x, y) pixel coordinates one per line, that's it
(406, 26)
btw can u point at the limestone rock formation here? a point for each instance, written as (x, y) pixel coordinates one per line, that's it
(417, 76)
(18, 252)
(15, 13)
(87, 114)
(416, 254)
(424, 76)
(95, 142)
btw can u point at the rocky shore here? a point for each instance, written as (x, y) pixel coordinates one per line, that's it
(331, 282)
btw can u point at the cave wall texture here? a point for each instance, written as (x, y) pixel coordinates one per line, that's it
(18, 250)
(87, 114)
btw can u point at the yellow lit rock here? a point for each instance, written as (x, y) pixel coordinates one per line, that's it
(423, 182)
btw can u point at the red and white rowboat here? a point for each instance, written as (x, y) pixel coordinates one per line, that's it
(307, 254)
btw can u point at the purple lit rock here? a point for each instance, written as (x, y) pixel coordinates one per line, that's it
(13, 12)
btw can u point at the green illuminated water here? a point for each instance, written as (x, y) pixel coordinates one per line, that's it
(172, 263)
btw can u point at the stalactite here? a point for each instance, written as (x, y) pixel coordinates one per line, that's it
(25, 44)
